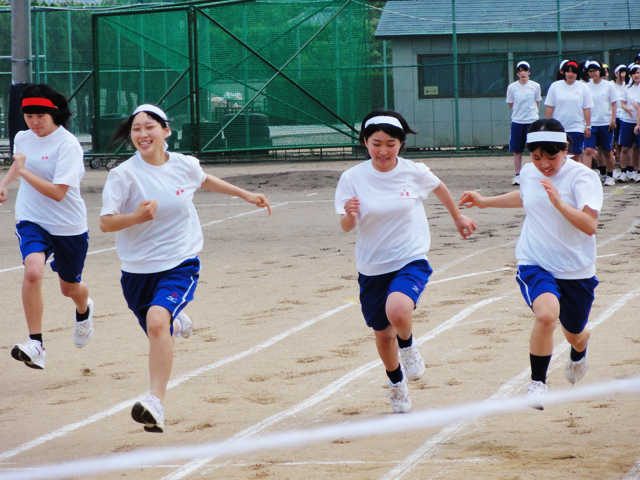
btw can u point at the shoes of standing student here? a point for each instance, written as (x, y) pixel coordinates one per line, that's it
(609, 181)
(31, 353)
(575, 371)
(616, 173)
(632, 176)
(83, 331)
(150, 412)
(399, 397)
(412, 362)
(622, 178)
(537, 390)
(185, 325)
(516, 180)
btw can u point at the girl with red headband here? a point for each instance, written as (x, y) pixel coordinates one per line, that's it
(51, 215)
(383, 197)
(569, 101)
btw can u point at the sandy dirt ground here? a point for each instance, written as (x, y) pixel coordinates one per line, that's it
(280, 344)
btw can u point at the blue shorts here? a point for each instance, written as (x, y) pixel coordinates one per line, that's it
(616, 133)
(627, 137)
(172, 289)
(600, 137)
(575, 296)
(69, 252)
(518, 137)
(577, 141)
(374, 290)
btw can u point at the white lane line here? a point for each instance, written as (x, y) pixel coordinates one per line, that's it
(620, 235)
(508, 389)
(470, 275)
(467, 257)
(173, 383)
(329, 390)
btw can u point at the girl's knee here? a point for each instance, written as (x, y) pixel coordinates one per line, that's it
(547, 319)
(33, 274)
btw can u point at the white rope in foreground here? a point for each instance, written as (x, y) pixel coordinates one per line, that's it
(388, 424)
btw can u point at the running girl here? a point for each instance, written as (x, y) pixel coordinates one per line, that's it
(148, 201)
(556, 251)
(570, 102)
(523, 97)
(51, 215)
(383, 198)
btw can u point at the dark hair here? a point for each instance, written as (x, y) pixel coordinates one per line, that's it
(595, 67)
(631, 82)
(584, 70)
(60, 115)
(122, 135)
(547, 125)
(523, 67)
(560, 74)
(391, 130)
(623, 69)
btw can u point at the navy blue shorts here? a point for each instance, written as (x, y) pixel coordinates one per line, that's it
(627, 136)
(69, 252)
(374, 290)
(577, 141)
(600, 137)
(518, 137)
(575, 296)
(172, 289)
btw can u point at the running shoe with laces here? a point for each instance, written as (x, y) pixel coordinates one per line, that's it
(150, 412)
(537, 390)
(399, 397)
(516, 180)
(622, 178)
(632, 176)
(184, 324)
(412, 362)
(575, 371)
(616, 173)
(609, 181)
(83, 331)
(31, 353)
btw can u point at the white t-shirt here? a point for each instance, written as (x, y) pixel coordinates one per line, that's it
(603, 95)
(569, 102)
(547, 238)
(619, 92)
(629, 94)
(59, 159)
(524, 98)
(174, 235)
(392, 224)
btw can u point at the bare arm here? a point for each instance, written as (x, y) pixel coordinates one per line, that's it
(48, 189)
(11, 175)
(548, 112)
(587, 119)
(464, 224)
(145, 212)
(510, 104)
(214, 184)
(349, 220)
(507, 200)
(586, 220)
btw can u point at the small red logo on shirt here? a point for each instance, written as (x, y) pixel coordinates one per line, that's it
(46, 157)
(404, 193)
(180, 191)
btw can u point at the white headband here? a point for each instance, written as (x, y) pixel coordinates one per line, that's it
(618, 68)
(634, 67)
(546, 136)
(630, 66)
(523, 63)
(562, 64)
(382, 119)
(151, 108)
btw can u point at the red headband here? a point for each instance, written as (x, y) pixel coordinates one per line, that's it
(572, 63)
(41, 102)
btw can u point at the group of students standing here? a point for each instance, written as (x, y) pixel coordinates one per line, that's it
(599, 115)
(148, 202)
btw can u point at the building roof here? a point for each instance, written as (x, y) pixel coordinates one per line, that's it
(433, 17)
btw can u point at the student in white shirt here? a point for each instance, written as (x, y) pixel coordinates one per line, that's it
(629, 140)
(523, 97)
(148, 201)
(620, 77)
(603, 122)
(383, 197)
(51, 215)
(556, 250)
(569, 101)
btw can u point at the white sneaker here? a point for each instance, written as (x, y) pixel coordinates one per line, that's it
(537, 390)
(399, 397)
(516, 180)
(150, 412)
(622, 178)
(575, 371)
(83, 331)
(31, 353)
(412, 362)
(609, 181)
(632, 176)
(184, 324)
(616, 173)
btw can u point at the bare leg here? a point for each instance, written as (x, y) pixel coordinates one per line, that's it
(578, 340)
(588, 156)
(32, 291)
(387, 345)
(546, 307)
(517, 162)
(78, 292)
(160, 349)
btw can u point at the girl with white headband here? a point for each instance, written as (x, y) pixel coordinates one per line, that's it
(629, 140)
(51, 215)
(620, 77)
(556, 251)
(383, 197)
(569, 101)
(523, 97)
(148, 201)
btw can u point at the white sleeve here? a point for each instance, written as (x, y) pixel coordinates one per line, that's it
(344, 192)
(70, 165)
(588, 191)
(427, 180)
(510, 94)
(195, 172)
(538, 93)
(613, 94)
(588, 99)
(114, 194)
(551, 96)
